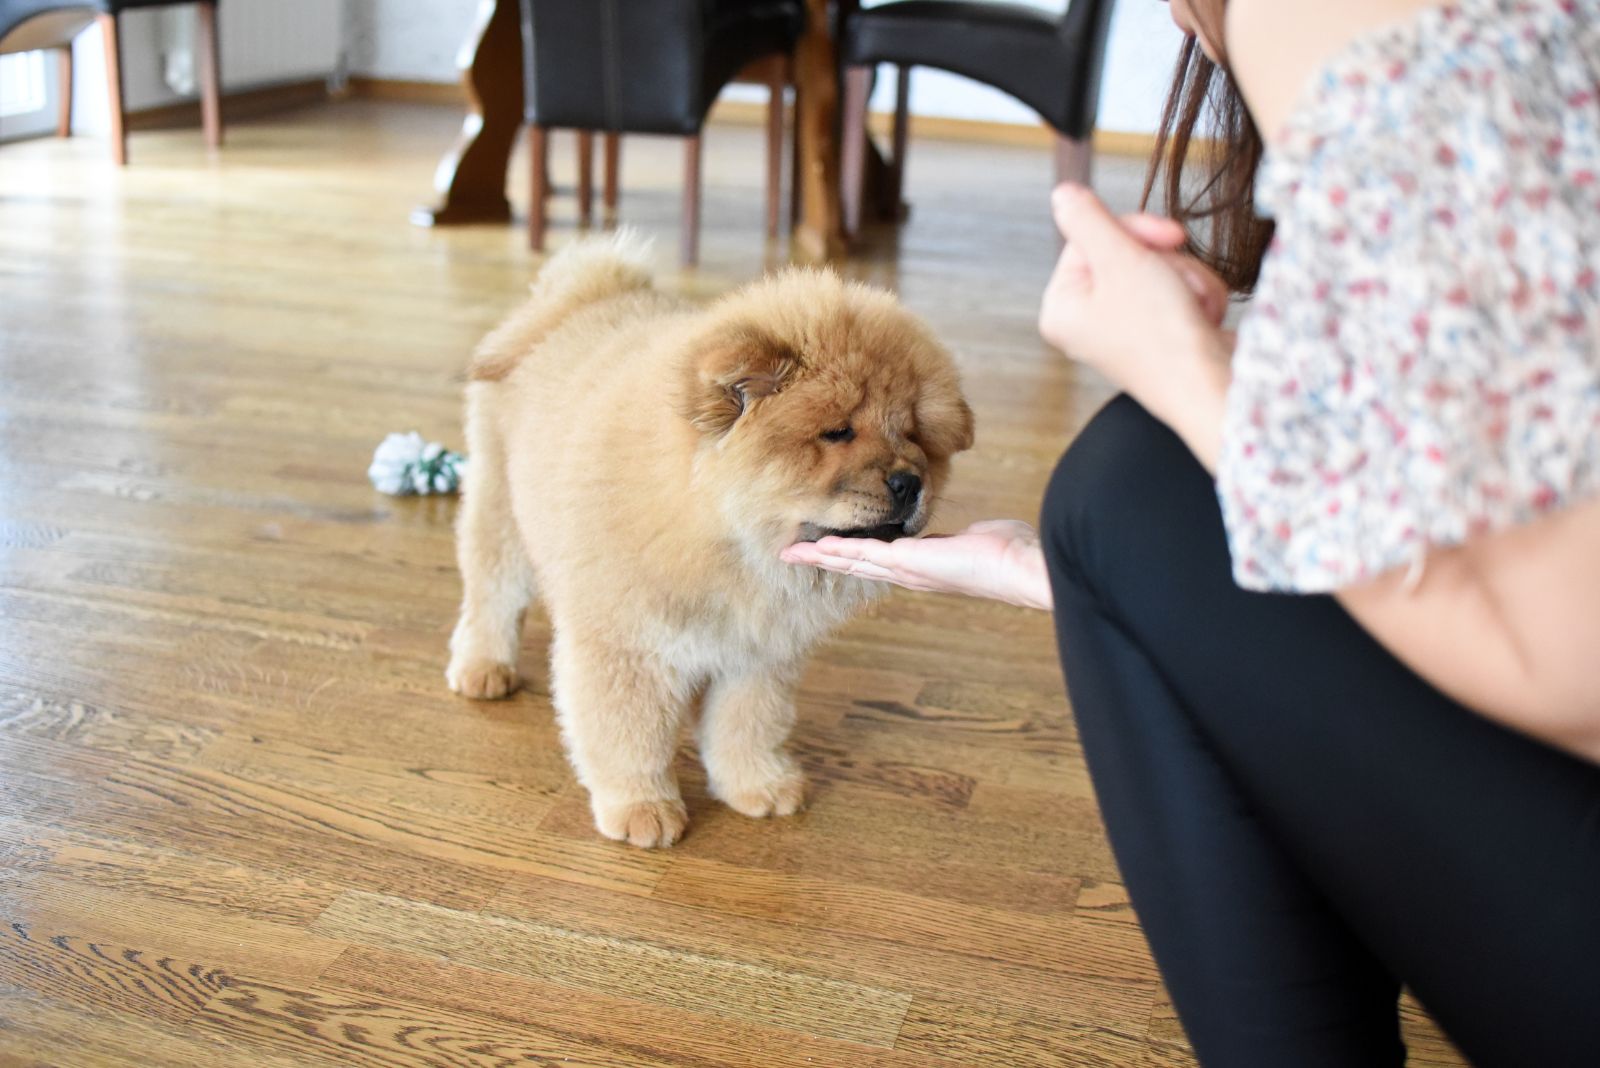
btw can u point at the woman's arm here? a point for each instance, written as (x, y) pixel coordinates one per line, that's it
(1508, 624)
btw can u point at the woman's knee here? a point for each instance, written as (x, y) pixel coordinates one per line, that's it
(1125, 477)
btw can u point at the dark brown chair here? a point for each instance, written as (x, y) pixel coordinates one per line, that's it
(26, 25)
(626, 66)
(1052, 63)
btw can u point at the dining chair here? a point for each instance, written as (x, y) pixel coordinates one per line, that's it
(1050, 61)
(27, 25)
(624, 67)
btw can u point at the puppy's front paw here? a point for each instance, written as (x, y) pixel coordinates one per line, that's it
(647, 824)
(481, 680)
(782, 796)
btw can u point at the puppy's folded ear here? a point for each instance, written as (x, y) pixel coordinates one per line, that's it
(729, 370)
(944, 421)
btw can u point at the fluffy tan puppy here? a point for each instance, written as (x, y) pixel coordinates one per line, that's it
(639, 463)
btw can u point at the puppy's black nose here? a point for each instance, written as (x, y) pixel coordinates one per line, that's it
(904, 487)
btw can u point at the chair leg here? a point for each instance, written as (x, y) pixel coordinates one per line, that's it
(613, 153)
(585, 177)
(64, 91)
(794, 164)
(775, 91)
(853, 145)
(113, 47)
(210, 73)
(539, 192)
(691, 201)
(902, 121)
(1074, 160)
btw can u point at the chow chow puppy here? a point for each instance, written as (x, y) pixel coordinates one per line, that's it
(639, 463)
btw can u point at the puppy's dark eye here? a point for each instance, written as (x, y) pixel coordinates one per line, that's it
(844, 433)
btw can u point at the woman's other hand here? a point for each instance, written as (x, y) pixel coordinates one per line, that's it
(998, 559)
(1126, 302)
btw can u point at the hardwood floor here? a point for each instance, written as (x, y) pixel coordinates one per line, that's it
(243, 821)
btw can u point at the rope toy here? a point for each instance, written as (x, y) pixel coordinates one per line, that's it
(405, 465)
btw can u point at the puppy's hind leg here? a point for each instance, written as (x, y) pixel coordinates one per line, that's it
(746, 721)
(496, 578)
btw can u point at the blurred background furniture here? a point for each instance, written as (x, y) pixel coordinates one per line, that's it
(774, 72)
(652, 68)
(471, 178)
(1050, 62)
(27, 25)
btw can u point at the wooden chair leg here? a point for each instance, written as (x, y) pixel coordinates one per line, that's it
(613, 154)
(794, 165)
(691, 201)
(210, 73)
(1074, 160)
(585, 177)
(64, 91)
(902, 121)
(775, 92)
(539, 192)
(853, 145)
(113, 47)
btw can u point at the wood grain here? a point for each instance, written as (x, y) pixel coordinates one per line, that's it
(242, 822)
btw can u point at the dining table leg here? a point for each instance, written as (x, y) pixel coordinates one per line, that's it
(819, 235)
(471, 178)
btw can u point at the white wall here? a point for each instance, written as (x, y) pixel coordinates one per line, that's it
(410, 40)
(263, 42)
(417, 40)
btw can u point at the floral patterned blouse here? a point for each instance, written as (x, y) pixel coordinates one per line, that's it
(1421, 363)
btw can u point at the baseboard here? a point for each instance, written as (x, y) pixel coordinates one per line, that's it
(240, 104)
(452, 93)
(1111, 142)
(747, 113)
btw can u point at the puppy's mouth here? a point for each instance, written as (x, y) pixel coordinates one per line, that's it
(881, 532)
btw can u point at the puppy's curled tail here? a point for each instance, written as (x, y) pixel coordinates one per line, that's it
(588, 270)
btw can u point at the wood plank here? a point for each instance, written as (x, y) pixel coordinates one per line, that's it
(825, 904)
(36, 1030)
(1113, 991)
(51, 907)
(104, 975)
(642, 970)
(61, 787)
(640, 1028)
(161, 871)
(376, 1032)
(973, 1035)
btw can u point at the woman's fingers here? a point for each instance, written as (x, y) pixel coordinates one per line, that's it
(1079, 212)
(846, 561)
(831, 551)
(1085, 221)
(1156, 231)
(1209, 290)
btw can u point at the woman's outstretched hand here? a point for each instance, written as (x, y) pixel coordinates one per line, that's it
(999, 559)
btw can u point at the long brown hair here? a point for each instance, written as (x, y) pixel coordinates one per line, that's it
(1203, 92)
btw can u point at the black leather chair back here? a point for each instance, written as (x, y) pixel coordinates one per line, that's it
(1053, 63)
(14, 13)
(644, 66)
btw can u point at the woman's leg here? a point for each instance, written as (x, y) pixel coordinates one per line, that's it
(1301, 821)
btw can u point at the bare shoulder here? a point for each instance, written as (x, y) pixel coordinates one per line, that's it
(1275, 47)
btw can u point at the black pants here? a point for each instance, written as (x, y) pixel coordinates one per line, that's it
(1303, 824)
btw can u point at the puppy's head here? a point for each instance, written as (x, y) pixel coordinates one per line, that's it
(823, 408)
